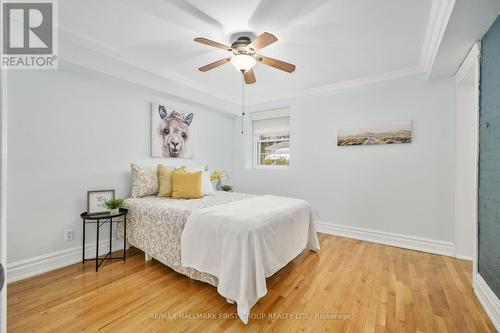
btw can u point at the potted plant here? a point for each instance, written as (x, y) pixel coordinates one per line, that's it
(114, 205)
(226, 188)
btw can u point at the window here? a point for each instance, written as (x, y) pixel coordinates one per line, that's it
(271, 132)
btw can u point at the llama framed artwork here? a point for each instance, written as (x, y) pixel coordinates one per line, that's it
(171, 132)
(376, 134)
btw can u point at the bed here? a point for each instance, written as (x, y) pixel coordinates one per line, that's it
(205, 239)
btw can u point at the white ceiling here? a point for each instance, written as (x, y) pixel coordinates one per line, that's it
(330, 41)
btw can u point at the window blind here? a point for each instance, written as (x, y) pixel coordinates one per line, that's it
(271, 125)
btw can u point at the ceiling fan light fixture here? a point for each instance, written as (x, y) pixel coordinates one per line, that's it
(243, 54)
(243, 62)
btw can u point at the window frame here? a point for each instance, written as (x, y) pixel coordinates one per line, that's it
(256, 144)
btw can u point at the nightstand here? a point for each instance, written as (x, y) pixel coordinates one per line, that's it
(100, 220)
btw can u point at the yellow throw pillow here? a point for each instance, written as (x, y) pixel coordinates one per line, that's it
(186, 185)
(165, 179)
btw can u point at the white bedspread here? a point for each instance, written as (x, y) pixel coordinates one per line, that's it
(243, 242)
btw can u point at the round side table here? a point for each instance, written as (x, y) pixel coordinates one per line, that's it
(100, 220)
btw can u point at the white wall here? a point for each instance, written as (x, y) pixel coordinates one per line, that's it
(3, 192)
(69, 132)
(467, 156)
(466, 170)
(406, 189)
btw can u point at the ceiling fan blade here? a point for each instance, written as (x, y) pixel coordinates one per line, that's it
(212, 43)
(249, 76)
(214, 64)
(278, 64)
(262, 41)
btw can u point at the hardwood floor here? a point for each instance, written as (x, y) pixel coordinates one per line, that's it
(354, 286)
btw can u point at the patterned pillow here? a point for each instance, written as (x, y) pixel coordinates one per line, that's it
(144, 181)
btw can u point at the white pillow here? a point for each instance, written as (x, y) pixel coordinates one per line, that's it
(206, 185)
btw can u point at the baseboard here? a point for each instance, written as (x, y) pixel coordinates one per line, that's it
(24, 269)
(488, 300)
(468, 258)
(41, 264)
(386, 238)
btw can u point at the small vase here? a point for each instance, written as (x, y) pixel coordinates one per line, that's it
(219, 185)
(115, 211)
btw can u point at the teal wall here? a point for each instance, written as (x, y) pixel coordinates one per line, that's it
(489, 160)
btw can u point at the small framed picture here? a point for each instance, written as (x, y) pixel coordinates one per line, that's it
(96, 201)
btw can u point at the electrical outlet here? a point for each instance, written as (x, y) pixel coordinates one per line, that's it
(69, 235)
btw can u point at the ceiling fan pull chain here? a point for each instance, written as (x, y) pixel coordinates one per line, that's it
(242, 103)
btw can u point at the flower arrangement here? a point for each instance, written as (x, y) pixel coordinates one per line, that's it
(221, 179)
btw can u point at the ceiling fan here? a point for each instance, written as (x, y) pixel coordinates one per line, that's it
(244, 55)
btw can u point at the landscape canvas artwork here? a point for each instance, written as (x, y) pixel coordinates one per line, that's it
(171, 132)
(376, 134)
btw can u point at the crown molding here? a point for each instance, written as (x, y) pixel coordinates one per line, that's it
(351, 84)
(178, 101)
(439, 17)
(105, 49)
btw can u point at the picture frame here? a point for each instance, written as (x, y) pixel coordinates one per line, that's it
(96, 201)
(388, 133)
(172, 132)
